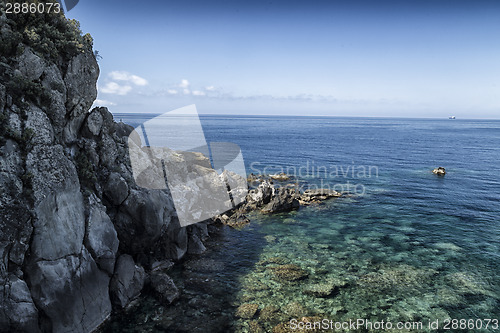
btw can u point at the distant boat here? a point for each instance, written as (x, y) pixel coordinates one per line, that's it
(452, 117)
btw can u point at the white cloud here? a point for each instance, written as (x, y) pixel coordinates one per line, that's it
(125, 76)
(102, 102)
(172, 92)
(115, 88)
(198, 93)
(210, 88)
(186, 91)
(184, 84)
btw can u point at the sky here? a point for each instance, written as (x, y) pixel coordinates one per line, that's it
(341, 58)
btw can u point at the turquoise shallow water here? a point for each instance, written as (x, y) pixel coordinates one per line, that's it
(406, 246)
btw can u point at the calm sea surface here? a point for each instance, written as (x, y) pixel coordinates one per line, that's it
(406, 246)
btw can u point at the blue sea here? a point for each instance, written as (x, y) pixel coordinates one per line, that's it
(403, 246)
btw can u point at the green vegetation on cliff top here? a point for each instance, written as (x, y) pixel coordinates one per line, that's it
(50, 35)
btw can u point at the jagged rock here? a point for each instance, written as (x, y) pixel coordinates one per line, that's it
(40, 125)
(80, 81)
(30, 65)
(122, 129)
(284, 200)
(94, 122)
(116, 189)
(101, 239)
(67, 194)
(56, 111)
(109, 151)
(247, 311)
(439, 171)
(262, 194)
(163, 287)
(127, 282)
(237, 220)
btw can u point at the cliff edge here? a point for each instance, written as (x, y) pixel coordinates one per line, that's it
(78, 238)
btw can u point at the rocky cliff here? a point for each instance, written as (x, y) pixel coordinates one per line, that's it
(78, 238)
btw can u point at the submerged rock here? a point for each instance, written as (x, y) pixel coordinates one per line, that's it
(321, 289)
(296, 309)
(289, 272)
(247, 311)
(255, 327)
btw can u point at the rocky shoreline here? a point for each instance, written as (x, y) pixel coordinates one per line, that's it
(79, 239)
(273, 194)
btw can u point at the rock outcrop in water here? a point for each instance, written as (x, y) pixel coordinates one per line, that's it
(268, 198)
(439, 171)
(78, 238)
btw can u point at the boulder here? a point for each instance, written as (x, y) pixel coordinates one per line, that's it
(163, 287)
(127, 281)
(93, 123)
(101, 238)
(116, 189)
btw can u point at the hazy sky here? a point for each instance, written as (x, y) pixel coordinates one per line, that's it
(363, 58)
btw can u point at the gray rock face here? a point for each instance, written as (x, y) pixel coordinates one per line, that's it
(101, 240)
(94, 122)
(38, 121)
(116, 189)
(71, 291)
(18, 312)
(69, 204)
(80, 81)
(128, 281)
(30, 65)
